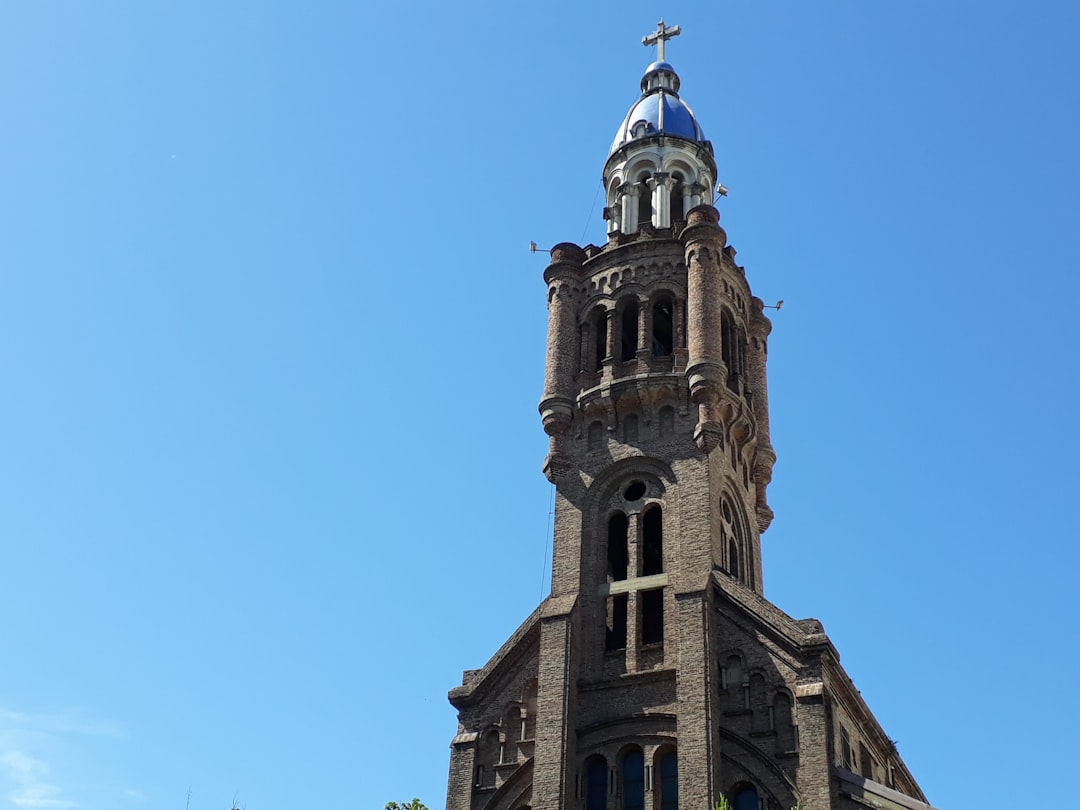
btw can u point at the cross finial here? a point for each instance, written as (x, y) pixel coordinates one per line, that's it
(659, 37)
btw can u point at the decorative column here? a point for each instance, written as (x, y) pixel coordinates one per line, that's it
(556, 407)
(764, 455)
(629, 195)
(660, 184)
(703, 241)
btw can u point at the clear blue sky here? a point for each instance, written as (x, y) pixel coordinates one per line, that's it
(260, 500)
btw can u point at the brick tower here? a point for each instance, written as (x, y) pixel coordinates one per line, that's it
(656, 675)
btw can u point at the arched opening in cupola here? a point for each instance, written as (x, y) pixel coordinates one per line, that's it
(663, 328)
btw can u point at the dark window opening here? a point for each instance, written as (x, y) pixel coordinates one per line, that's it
(617, 554)
(663, 331)
(630, 429)
(644, 201)
(635, 491)
(616, 622)
(652, 529)
(677, 212)
(847, 756)
(652, 616)
(731, 676)
(866, 762)
(669, 782)
(633, 786)
(729, 350)
(746, 799)
(782, 723)
(600, 340)
(733, 559)
(629, 333)
(596, 784)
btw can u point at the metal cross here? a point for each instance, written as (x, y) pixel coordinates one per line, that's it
(661, 35)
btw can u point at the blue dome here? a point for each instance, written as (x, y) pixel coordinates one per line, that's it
(659, 112)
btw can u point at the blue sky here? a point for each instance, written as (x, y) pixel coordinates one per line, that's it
(272, 343)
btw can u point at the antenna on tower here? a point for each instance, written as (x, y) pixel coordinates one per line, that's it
(777, 306)
(534, 249)
(721, 191)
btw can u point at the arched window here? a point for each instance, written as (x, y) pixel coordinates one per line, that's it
(663, 329)
(652, 530)
(628, 332)
(746, 798)
(487, 758)
(630, 429)
(677, 212)
(617, 554)
(644, 200)
(599, 337)
(783, 723)
(633, 780)
(739, 562)
(528, 723)
(730, 350)
(731, 674)
(669, 782)
(596, 784)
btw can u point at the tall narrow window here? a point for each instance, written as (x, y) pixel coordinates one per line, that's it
(728, 347)
(488, 756)
(633, 780)
(663, 334)
(677, 212)
(617, 555)
(731, 674)
(628, 332)
(644, 215)
(615, 638)
(652, 616)
(669, 782)
(528, 725)
(596, 784)
(733, 559)
(652, 529)
(630, 429)
(783, 722)
(600, 325)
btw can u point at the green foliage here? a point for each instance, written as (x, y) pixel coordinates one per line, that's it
(415, 804)
(723, 804)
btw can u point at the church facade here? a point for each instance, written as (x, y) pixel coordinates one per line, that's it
(656, 675)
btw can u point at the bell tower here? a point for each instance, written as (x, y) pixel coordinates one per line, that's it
(656, 675)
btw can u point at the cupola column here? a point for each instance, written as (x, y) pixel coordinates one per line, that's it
(692, 195)
(703, 241)
(661, 184)
(764, 456)
(556, 408)
(629, 193)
